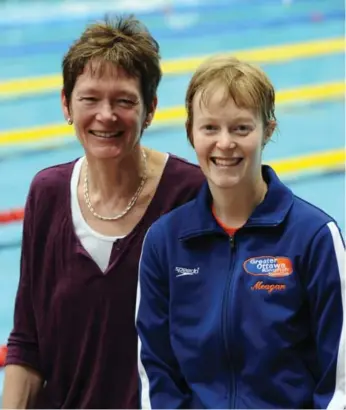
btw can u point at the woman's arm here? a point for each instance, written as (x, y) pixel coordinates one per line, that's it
(21, 387)
(22, 378)
(325, 269)
(162, 386)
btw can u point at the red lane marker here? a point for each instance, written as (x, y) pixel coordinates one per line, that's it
(13, 215)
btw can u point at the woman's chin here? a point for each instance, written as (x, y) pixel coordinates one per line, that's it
(225, 182)
(103, 152)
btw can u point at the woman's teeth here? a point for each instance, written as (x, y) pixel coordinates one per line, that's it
(103, 134)
(226, 162)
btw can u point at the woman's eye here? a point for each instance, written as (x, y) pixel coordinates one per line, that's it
(243, 129)
(126, 102)
(210, 127)
(90, 99)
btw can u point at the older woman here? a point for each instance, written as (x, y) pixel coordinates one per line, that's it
(73, 344)
(242, 290)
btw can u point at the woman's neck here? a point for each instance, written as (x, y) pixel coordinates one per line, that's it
(111, 181)
(234, 206)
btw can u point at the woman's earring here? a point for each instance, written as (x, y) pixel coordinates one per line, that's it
(69, 121)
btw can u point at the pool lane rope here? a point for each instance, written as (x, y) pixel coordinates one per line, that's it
(3, 353)
(11, 215)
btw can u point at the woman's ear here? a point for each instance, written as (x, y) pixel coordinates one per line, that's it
(65, 107)
(269, 132)
(188, 127)
(151, 113)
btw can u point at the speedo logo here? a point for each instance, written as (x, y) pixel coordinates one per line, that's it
(186, 271)
(273, 266)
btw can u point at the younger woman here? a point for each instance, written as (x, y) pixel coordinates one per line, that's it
(241, 295)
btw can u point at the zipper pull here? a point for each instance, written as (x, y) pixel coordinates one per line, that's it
(231, 240)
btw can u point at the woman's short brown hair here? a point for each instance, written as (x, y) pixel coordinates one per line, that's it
(123, 41)
(246, 84)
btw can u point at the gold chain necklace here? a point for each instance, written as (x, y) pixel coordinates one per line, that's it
(130, 204)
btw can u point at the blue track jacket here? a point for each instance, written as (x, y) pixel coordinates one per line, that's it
(249, 322)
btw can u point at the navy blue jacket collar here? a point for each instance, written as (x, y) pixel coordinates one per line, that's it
(271, 212)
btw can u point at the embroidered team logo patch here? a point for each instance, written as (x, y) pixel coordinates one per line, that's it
(273, 266)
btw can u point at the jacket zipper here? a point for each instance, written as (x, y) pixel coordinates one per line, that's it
(225, 318)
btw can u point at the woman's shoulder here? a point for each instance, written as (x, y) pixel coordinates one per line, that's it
(180, 163)
(180, 182)
(309, 215)
(51, 181)
(184, 171)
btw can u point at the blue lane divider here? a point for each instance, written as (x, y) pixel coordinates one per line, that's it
(22, 16)
(204, 28)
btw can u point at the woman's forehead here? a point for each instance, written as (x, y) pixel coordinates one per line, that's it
(108, 75)
(216, 99)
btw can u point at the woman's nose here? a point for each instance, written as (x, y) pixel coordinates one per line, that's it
(225, 140)
(106, 113)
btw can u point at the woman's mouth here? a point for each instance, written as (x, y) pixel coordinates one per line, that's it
(226, 162)
(107, 134)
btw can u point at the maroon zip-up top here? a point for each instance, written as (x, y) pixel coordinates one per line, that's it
(72, 323)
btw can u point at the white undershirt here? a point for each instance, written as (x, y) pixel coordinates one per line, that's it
(98, 246)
